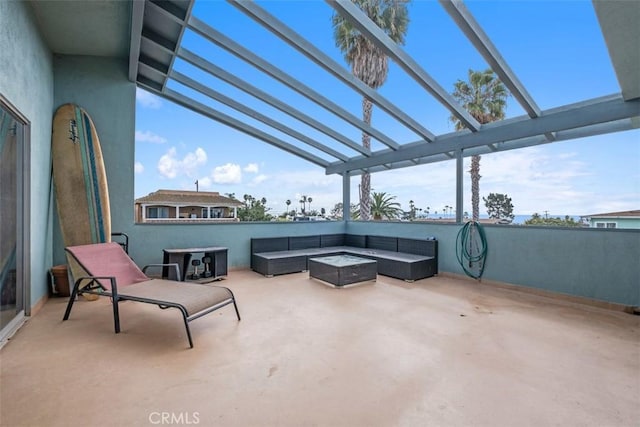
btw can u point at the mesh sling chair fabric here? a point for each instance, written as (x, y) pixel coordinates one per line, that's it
(111, 273)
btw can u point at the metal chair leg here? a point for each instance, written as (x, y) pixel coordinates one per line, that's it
(236, 307)
(186, 325)
(116, 315)
(72, 299)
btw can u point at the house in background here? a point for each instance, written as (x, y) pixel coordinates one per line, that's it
(624, 219)
(186, 206)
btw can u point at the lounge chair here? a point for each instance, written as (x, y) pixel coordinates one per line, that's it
(110, 272)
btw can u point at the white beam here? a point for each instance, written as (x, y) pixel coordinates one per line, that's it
(245, 86)
(207, 91)
(483, 44)
(620, 24)
(137, 18)
(376, 35)
(240, 126)
(246, 55)
(278, 28)
(581, 115)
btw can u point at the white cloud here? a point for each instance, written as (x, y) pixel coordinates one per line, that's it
(199, 157)
(148, 100)
(138, 168)
(205, 183)
(227, 174)
(530, 168)
(325, 190)
(257, 180)
(170, 166)
(148, 136)
(251, 168)
(533, 178)
(536, 181)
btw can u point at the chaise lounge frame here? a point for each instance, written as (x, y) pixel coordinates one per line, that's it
(129, 283)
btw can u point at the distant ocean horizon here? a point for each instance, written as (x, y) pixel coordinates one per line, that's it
(517, 219)
(520, 219)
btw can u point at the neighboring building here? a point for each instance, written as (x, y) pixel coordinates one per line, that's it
(186, 206)
(625, 219)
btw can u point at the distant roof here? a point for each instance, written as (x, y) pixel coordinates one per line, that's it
(634, 213)
(172, 197)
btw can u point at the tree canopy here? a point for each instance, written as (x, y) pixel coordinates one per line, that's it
(254, 209)
(383, 206)
(567, 221)
(499, 206)
(484, 96)
(336, 212)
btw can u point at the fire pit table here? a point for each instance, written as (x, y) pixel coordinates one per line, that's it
(342, 270)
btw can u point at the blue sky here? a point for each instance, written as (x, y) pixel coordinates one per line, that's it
(554, 47)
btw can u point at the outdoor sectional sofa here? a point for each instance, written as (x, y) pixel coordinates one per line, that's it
(401, 258)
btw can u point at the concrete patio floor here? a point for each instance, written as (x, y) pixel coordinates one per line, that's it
(438, 352)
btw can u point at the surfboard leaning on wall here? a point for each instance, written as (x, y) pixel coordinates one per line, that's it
(80, 180)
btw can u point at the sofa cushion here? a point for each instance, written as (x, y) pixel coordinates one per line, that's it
(416, 246)
(331, 240)
(355, 240)
(383, 242)
(269, 244)
(304, 242)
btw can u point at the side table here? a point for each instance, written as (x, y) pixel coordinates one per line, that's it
(182, 256)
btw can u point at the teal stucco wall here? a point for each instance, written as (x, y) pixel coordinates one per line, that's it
(148, 240)
(596, 264)
(101, 87)
(26, 81)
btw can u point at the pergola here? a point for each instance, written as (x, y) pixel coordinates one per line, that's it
(157, 30)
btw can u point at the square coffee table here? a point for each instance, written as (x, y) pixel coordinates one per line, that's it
(342, 270)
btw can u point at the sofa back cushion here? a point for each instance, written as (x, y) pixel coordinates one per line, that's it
(269, 244)
(327, 240)
(355, 240)
(304, 242)
(426, 247)
(384, 243)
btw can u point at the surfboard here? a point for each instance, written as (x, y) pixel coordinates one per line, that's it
(80, 181)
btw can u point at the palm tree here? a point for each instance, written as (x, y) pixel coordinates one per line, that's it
(288, 202)
(383, 206)
(248, 200)
(303, 202)
(309, 200)
(368, 63)
(484, 96)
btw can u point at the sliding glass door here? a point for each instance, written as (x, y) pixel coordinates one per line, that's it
(13, 141)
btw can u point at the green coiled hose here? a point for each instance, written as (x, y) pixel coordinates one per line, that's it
(471, 249)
